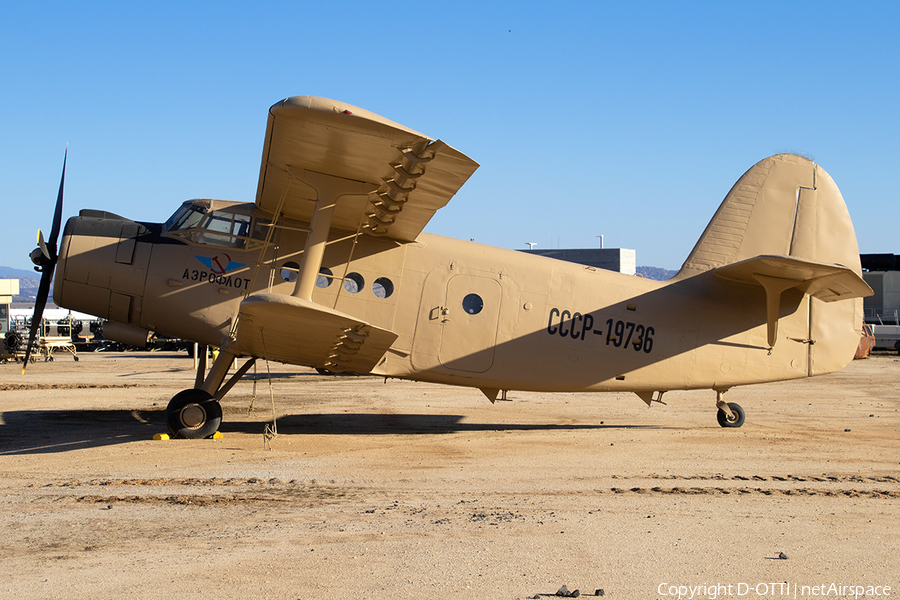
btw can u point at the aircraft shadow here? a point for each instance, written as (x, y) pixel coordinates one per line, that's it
(404, 424)
(49, 432)
(52, 431)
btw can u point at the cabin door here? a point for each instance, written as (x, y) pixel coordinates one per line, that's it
(470, 316)
(457, 322)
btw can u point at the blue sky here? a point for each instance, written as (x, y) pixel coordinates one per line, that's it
(630, 120)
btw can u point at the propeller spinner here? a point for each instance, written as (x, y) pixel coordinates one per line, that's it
(44, 257)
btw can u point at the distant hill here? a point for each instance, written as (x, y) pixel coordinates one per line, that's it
(28, 282)
(655, 273)
(9, 272)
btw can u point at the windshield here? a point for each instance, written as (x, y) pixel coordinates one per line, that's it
(231, 226)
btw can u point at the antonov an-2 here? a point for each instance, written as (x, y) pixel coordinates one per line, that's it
(330, 268)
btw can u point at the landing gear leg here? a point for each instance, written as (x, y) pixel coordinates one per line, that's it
(196, 413)
(730, 414)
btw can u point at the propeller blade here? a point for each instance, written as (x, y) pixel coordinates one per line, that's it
(49, 250)
(57, 214)
(40, 302)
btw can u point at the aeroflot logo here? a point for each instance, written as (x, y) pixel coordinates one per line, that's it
(220, 263)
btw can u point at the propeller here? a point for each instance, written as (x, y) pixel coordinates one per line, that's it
(44, 257)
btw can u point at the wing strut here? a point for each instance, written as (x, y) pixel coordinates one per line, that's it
(328, 190)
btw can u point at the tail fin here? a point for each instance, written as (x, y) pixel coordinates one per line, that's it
(784, 225)
(785, 205)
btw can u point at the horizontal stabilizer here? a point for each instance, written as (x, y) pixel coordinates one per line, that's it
(827, 282)
(777, 274)
(292, 330)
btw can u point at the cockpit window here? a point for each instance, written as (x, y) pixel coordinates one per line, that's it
(232, 226)
(186, 217)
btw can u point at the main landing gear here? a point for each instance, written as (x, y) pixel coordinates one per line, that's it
(196, 413)
(193, 414)
(730, 414)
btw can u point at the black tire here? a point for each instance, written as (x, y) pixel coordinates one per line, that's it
(738, 419)
(193, 415)
(13, 340)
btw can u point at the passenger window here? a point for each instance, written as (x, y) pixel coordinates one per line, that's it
(354, 283)
(289, 271)
(383, 287)
(473, 304)
(325, 278)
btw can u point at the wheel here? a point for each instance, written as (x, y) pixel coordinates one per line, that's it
(326, 372)
(193, 414)
(13, 340)
(726, 421)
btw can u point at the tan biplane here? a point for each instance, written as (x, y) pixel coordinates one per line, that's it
(330, 268)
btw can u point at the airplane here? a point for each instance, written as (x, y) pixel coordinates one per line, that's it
(330, 268)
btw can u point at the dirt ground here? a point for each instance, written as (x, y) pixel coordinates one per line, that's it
(375, 489)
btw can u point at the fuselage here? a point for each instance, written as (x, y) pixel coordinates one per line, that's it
(465, 313)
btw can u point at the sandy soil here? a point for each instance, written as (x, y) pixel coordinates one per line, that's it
(376, 489)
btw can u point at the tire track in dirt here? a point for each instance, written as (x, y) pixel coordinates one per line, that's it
(711, 491)
(18, 387)
(275, 481)
(164, 490)
(274, 490)
(816, 478)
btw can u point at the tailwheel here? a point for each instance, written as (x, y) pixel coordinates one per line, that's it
(193, 414)
(735, 419)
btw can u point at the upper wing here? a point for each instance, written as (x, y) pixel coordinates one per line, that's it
(392, 179)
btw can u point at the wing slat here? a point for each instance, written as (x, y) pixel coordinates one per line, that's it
(406, 175)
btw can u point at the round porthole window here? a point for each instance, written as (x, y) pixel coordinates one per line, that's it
(323, 280)
(354, 283)
(383, 287)
(472, 304)
(289, 271)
